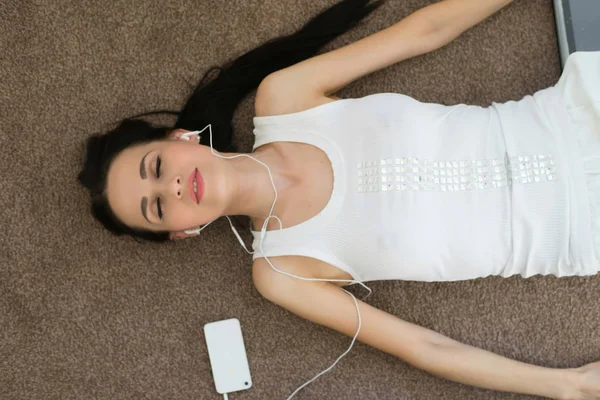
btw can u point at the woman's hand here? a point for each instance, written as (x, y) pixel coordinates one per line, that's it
(586, 382)
(328, 305)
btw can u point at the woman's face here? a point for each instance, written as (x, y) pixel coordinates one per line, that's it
(168, 185)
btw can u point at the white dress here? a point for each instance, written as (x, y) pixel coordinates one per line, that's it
(429, 192)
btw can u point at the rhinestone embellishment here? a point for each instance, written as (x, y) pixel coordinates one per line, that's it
(414, 174)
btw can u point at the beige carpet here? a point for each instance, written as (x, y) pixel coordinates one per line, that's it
(84, 315)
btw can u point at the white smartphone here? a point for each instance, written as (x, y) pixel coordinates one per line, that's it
(227, 355)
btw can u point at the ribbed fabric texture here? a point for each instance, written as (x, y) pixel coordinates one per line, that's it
(442, 193)
(580, 88)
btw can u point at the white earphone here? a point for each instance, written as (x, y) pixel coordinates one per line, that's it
(263, 233)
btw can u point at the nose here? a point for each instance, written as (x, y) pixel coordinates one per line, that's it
(176, 187)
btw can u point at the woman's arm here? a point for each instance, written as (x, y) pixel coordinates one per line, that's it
(326, 304)
(421, 32)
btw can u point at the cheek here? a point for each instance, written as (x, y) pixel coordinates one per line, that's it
(199, 157)
(183, 217)
(190, 153)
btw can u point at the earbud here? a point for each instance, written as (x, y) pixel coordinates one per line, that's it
(186, 136)
(200, 229)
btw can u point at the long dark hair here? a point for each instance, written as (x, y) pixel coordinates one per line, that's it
(213, 101)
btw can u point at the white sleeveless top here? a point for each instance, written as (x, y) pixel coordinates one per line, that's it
(429, 192)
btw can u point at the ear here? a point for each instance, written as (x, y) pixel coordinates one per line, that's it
(181, 235)
(177, 134)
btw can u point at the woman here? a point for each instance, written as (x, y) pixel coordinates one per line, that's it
(383, 187)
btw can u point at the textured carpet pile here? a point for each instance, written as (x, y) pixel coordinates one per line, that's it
(85, 315)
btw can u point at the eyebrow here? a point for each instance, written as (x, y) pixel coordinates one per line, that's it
(143, 166)
(145, 207)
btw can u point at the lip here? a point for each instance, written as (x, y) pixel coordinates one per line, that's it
(197, 177)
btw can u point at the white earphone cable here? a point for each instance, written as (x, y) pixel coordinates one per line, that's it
(263, 233)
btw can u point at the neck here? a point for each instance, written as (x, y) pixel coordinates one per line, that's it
(252, 190)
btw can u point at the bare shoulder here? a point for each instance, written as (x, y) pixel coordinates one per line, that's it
(272, 284)
(278, 95)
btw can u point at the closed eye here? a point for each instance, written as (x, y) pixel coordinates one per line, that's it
(159, 208)
(158, 162)
(158, 205)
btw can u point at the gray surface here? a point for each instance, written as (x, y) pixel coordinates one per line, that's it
(578, 25)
